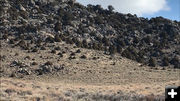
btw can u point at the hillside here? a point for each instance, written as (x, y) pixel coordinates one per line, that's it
(76, 74)
(151, 42)
(62, 50)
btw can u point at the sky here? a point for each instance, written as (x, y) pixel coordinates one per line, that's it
(143, 8)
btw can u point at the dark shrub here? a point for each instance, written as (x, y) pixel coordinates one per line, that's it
(72, 57)
(177, 65)
(152, 62)
(110, 8)
(53, 51)
(69, 41)
(57, 48)
(119, 49)
(50, 39)
(29, 37)
(60, 54)
(34, 63)
(35, 50)
(140, 60)
(78, 51)
(127, 54)
(23, 14)
(28, 57)
(43, 48)
(165, 61)
(83, 57)
(92, 33)
(75, 40)
(98, 20)
(67, 18)
(112, 49)
(22, 43)
(57, 27)
(61, 12)
(174, 60)
(105, 41)
(85, 44)
(95, 46)
(11, 41)
(79, 43)
(57, 38)
(73, 54)
(147, 39)
(100, 46)
(122, 43)
(48, 63)
(5, 36)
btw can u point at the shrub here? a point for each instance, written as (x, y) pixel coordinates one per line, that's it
(57, 38)
(50, 39)
(83, 57)
(11, 41)
(152, 62)
(79, 43)
(34, 63)
(110, 8)
(35, 50)
(73, 54)
(22, 43)
(23, 14)
(127, 54)
(92, 33)
(53, 51)
(67, 18)
(140, 59)
(112, 49)
(122, 43)
(43, 48)
(174, 60)
(69, 41)
(5, 36)
(28, 57)
(57, 48)
(98, 20)
(165, 61)
(95, 46)
(60, 54)
(177, 65)
(48, 63)
(78, 51)
(85, 44)
(57, 27)
(100, 46)
(119, 49)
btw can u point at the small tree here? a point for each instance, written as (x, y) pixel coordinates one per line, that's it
(110, 8)
(57, 38)
(165, 61)
(57, 27)
(152, 62)
(112, 49)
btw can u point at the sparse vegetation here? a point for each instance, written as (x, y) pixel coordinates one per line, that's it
(152, 62)
(83, 57)
(48, 63)
(35, 50)
(42, 44)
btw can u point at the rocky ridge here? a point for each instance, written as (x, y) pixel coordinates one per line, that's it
(152, 42)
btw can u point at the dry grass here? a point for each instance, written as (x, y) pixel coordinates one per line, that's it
(105, 78)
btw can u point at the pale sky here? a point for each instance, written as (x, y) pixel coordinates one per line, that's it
(146, 8)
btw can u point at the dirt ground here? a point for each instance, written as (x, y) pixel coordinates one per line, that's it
(97, 77)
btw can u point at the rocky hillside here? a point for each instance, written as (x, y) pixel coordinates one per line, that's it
(152, 42)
